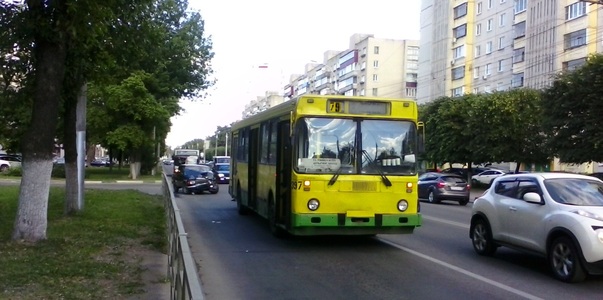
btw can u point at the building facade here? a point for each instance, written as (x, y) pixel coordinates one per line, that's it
(479, 46)
(369, 67)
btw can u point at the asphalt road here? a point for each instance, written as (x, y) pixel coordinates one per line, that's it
(240, 259)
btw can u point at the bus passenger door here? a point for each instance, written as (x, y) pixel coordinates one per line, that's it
(254, 149)
(283, 168)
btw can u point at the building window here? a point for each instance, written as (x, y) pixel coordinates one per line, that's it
(573, 64)
(501, 43)
(459, 91)
(478, 50)
(362, 92)
(460, 11)
(375, 77)
(412, 65)
(476, 90)
(458, 73)
(575, 10)
(520, 29)
(489, 47)
(489, 25)
(376, 50)
(478, 29)
(517, 80)
(487, 89)
(501, 19)
(460, 31)
(575, 39)
(363, 65)
(479, 8)
(475, 72)
(500, 86)
(411, 92)
(489, 4)
(458, 52)
(500, 65)
(518, 55)
(488, 70)
(520, 6)
(376, 63)
(375, 92)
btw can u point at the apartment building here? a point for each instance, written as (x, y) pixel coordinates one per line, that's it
(261, 103)
(479, 46)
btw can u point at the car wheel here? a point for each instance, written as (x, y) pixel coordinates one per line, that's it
(186, 190)
(464, 202)
(564, 260)
(431, 197)
(481, 237)
(3, 168)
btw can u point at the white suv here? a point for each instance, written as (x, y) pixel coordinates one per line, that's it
(557, 215)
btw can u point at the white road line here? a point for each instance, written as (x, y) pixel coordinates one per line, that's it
(462, 225)
(463, 271)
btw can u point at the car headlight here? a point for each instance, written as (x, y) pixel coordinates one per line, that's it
(600, 235)
(191, 182)
(588, 214)
(221, 175)
(402, 205)
(313, 204)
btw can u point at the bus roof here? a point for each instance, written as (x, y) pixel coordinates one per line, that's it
(285, 108)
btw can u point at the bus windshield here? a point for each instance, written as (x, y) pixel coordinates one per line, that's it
(355, 146)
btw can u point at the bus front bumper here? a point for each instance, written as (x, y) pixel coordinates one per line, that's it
(350, 224)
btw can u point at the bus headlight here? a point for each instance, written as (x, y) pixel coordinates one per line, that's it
(402, 205)
(313, 204)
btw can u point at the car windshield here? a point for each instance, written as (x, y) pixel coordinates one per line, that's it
(197, 171)
(222, 167)
(349, 146)
(575, 191)
(453, 179)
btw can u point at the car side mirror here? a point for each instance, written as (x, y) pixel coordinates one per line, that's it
(532, 197)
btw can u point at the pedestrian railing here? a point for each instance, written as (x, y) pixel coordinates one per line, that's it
(182, 270)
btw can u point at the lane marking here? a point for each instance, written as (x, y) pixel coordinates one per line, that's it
(458, 224)
(463, 271)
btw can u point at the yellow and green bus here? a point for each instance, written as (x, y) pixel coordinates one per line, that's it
(329, 165)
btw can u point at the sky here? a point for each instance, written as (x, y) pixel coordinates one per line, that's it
(283, 35)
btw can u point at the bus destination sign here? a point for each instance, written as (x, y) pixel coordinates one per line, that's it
(358, 107)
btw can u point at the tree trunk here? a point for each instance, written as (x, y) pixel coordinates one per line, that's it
(69, 138)
(135, 165)
(38, 142)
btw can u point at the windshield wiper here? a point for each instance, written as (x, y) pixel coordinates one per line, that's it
(383, 177)
(334, 178)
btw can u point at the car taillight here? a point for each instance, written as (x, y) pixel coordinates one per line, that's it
(441, 185)
(468, 187)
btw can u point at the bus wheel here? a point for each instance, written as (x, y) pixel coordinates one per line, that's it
(275, 229)
(242, 210)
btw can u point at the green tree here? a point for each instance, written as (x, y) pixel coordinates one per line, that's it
(573, 113)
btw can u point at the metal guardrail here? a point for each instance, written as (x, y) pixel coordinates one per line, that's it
(182, 270)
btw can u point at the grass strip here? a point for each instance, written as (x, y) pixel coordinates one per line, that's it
(95, 254)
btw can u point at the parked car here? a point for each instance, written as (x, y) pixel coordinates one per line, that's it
(436, 187)
(223, 172)
(597, 175)
(101, 162)
(487, 176)
(9, 161)
(556, 215)
(193, 178)
(464, 172)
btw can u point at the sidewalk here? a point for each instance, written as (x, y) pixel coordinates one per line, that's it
(54, 180)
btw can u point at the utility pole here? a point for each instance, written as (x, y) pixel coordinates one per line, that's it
(226, 146)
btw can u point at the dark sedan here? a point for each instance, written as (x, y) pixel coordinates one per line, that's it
(436, 187)
(194, 179)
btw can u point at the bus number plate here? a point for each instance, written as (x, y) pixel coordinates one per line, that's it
(296, 185)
